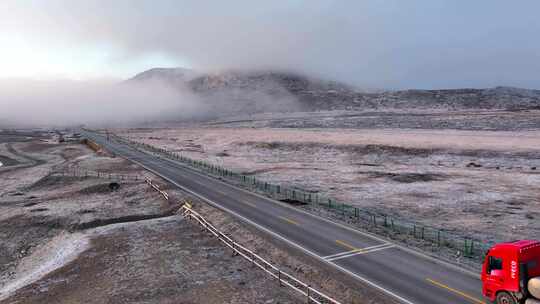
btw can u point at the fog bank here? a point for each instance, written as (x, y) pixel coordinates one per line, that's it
(105, 102)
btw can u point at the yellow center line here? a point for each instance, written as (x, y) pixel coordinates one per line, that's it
(351, 247)
(466, 296)
(289, 221)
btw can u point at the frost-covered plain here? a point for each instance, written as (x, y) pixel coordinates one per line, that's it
(483, 183)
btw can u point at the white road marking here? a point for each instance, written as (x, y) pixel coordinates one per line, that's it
(354, 250)
(361, 252)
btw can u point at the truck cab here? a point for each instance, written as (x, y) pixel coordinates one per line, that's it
(507, 268)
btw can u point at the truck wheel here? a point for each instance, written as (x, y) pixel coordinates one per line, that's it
(505, 298)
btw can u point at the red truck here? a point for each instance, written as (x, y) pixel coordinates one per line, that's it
(511, 273)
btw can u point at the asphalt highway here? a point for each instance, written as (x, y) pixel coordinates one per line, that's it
(403, 274)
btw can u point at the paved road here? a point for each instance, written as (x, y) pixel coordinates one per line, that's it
(407, 276)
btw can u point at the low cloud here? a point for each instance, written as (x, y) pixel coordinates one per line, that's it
(66, 102)
(60, 103)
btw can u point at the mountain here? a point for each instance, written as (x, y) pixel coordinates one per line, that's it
(308, 93)
(174, 76)
(234, 92)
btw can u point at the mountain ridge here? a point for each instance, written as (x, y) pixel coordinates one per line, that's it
(232, 92)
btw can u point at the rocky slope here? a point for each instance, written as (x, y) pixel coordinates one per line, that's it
(234, 92)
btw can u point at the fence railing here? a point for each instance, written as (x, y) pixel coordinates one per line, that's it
(92, 145)
(457, 248)
(79, 172)
(157, 188)
(312, 295)
(284, 279)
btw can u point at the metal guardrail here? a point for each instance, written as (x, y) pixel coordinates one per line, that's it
(468, 251)
(312, 295)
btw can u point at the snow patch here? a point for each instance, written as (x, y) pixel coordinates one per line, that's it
(49, 257)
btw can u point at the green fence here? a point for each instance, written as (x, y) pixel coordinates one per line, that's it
(465, 250)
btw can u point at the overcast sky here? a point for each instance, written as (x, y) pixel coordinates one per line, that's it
(370, 43)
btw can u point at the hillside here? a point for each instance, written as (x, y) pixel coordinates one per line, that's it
(234, 92)
(171, 75)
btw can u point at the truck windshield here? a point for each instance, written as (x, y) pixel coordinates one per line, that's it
(494, 264)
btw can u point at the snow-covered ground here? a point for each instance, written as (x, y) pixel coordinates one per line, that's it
(38, 209)
(53, 255)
